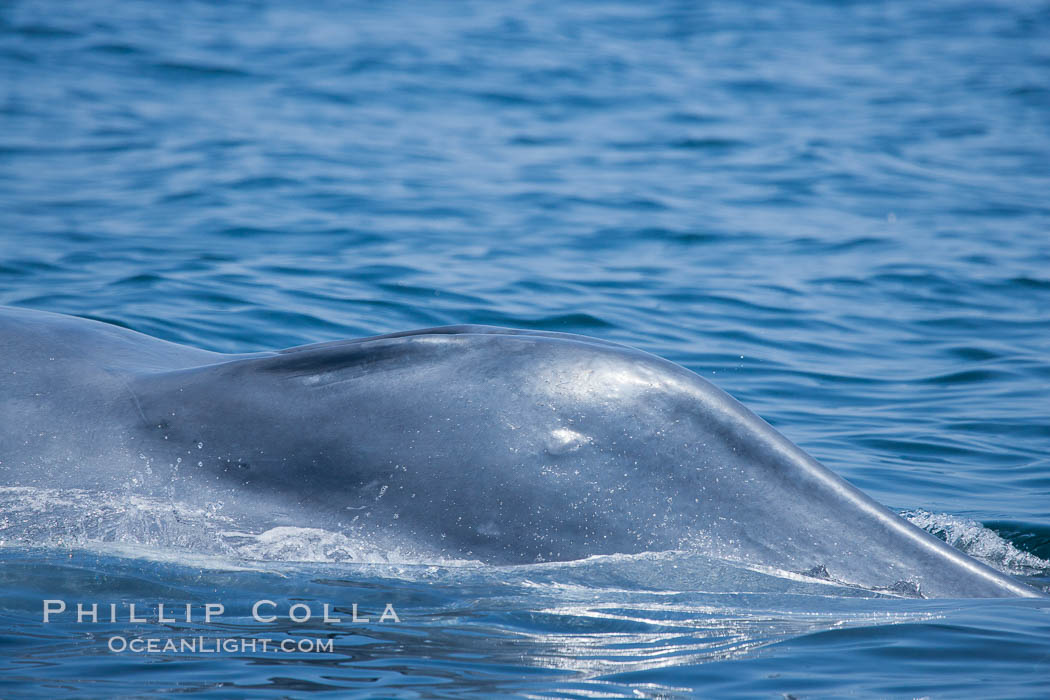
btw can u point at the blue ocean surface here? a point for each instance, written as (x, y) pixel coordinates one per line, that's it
(837, 212)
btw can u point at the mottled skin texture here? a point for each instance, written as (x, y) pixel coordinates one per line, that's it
(506, 446)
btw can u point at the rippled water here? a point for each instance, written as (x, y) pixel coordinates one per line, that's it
(837, 213)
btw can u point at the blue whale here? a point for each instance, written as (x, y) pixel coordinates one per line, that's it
(500, 445)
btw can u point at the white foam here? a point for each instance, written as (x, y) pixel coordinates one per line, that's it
(979, 542)
(161, 529)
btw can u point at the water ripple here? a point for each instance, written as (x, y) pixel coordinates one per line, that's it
(836, 212)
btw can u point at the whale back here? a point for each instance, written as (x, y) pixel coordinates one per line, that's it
(467, 441)
(516, 447)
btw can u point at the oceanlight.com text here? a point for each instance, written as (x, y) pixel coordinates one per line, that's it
(208, 645)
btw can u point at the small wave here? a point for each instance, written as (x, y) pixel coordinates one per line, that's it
(198, 70)
(156, 527)
(36, 517)
(164, 530)
(304, 544)
(979, 542)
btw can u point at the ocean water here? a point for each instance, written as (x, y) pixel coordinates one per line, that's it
(837, 212)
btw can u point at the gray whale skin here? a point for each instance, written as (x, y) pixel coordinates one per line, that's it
(500, 445)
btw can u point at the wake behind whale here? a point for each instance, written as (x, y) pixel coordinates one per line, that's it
(472, 442)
